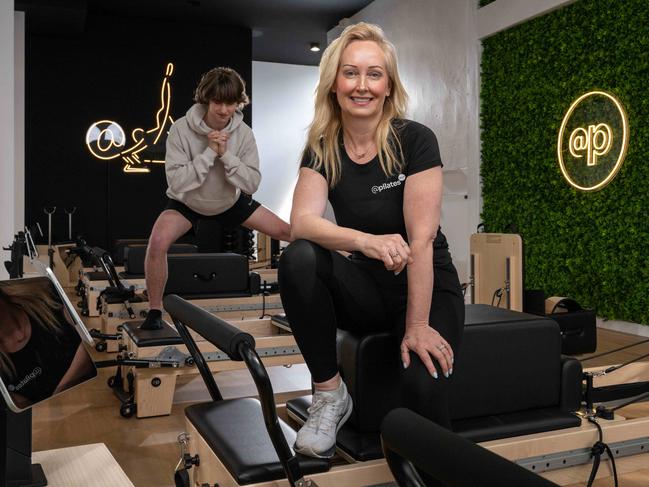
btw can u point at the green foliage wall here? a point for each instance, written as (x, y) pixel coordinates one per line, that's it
(594, 246)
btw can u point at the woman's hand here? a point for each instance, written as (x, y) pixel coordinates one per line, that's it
(391, 249)
(218, 141)
(426, 342)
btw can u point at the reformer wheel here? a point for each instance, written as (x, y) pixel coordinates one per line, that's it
(127, 410)
(101, 346)
(111, 381)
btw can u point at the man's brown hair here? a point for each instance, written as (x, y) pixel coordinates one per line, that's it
(221, 84)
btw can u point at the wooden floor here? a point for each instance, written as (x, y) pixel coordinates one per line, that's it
(147, 450)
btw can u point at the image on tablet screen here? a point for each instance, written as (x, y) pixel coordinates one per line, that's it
(41, 352)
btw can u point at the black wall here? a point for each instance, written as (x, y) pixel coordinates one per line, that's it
(113, 70)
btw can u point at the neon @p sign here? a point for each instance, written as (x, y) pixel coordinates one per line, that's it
(593, 140)
(106, 139)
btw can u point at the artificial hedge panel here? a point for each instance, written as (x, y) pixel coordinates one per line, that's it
(593, 246)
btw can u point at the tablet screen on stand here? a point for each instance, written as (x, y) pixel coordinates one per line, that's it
(41, 349)
(42, 354)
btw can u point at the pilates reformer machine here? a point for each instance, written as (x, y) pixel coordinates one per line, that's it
(146, 388)
(150, 363)
(496, 278)
(512, 393)
(98, 276)
(220, 283)
(61, 258)
(128, 261)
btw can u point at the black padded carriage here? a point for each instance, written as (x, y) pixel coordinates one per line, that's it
(210, 276)
(245, 434)
(510, 379)
(119, 248)
(167, 336)
(134, 256)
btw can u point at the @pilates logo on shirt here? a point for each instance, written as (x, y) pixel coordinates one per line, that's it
(593, 140)
(29, 377)
(390, 184)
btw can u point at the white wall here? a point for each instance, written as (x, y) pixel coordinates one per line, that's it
(6, 128)
(19, 120)
(439, 49)
(282, 109)
(438, 62)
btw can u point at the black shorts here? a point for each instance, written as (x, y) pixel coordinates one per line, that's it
(232, 217)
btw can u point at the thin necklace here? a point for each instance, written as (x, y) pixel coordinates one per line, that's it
(359, 155)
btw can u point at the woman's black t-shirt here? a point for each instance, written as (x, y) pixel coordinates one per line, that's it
(366, 200)
(43, 361)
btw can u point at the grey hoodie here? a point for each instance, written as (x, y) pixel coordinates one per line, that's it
(197, 176)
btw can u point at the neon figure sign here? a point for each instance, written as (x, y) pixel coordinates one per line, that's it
(106, 139)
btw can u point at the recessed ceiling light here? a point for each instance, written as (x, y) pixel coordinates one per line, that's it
(315, 47)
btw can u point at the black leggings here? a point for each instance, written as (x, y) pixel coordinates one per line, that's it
(322, 290)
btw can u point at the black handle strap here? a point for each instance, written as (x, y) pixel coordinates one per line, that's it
(203, 278)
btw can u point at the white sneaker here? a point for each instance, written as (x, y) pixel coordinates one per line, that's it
(328, 412)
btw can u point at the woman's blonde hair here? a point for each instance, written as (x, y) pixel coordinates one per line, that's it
(36, 298)
(323, 137)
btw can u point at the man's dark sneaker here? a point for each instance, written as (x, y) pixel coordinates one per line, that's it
(153, 320)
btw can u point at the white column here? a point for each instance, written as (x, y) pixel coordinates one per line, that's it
(19, 120)
(6, 128)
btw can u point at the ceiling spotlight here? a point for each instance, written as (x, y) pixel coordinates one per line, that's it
(314, 47)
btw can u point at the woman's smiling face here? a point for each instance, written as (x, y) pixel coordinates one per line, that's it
(362, 82)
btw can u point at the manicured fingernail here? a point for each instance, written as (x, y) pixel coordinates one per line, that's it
(435, 375)
(404, 365)
(446, 375)
(450, 371)
(396, 273)
(452, 360)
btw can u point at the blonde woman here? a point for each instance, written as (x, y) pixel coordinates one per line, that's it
(382, 175)
(40, 351)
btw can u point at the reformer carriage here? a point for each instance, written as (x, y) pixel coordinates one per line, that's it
(528, 409)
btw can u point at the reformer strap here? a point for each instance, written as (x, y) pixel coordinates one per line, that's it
(613, 368)
(614, 350)
(596, 452)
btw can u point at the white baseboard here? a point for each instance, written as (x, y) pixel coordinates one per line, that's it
(624, 327)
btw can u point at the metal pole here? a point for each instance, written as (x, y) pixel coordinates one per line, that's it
(50, 249)
(70, 213)
(507, 284)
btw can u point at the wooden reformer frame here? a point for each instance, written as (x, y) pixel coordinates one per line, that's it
(153, 387)
(497, 270)
(540, 452)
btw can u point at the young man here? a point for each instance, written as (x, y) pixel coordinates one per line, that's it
(212, 168)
